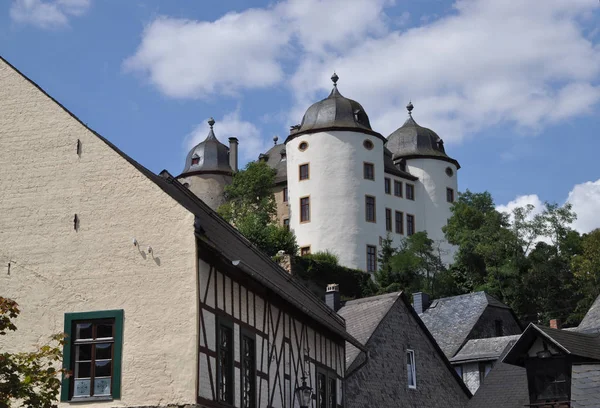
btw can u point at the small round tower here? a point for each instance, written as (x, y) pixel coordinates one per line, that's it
(209, 167)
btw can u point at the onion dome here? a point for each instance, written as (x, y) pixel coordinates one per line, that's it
(209, 156)
(335, 112)
(412, 141)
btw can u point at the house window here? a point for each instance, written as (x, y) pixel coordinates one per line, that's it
(549, 379)
(369, 171)
(285, 195)
(225, 362)
(305, 250)
(93, 353)
(449, 195)
(248, 372)
(397, 188)
(399, 222)
(410, 224)
(459, 370)
(411, 369)
(499, 328)
(410, 191)
(370, 215)
(371, 258)
(388, 185)
(304, 171)
(286, 223)
(326, 390)
(305, 209)
(388, 219)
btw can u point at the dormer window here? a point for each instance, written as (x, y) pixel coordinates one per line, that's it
(356, 115)
(195, 160)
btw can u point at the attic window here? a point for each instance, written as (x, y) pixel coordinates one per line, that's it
(195, 160)
(356, 115)
(368, 144)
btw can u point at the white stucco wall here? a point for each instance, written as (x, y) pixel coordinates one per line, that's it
(55, 269)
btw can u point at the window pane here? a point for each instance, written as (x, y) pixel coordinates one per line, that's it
(83, 331)
(225, 364)
(332, 393)
(102, 386)
(103, 351)
(321, 391)
(83, 370)
(83, 352)
(249, 377)
(104, 330)
(103, 368)
(82, 388)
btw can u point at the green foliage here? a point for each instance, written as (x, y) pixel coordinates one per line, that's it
(586, 269)
(28, 379)
(251, 208)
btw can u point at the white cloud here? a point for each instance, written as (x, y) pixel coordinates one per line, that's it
(231, 125)
(523, 201)
(47, 14)
(585, 198)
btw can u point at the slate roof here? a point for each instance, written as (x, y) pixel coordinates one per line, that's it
(585, 385)
(391, 168)
(483, 349)
(362, 318)
(451, 319)
(276, 160)
(227, 242)
(591, 321)
(504, 387)
(212, 156)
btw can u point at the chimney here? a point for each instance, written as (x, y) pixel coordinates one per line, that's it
(233, 153)
(420, 302)
(555, 324)
(332, 296)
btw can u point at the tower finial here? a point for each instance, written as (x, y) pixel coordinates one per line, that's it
(334, 78)
(275, 139)
(211, 122)
(409, 108)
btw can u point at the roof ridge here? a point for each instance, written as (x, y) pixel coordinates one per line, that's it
(372, 298)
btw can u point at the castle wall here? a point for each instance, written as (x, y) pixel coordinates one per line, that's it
(208, 187)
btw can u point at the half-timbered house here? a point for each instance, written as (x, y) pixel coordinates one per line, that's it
(163, 302)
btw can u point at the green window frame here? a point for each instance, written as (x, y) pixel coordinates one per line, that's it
(68, 350)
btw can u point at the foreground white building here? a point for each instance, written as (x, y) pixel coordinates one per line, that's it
(343, 187)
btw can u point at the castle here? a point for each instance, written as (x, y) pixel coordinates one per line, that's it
(340, 185)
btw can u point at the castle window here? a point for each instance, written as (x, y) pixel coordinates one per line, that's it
(303, 146)
(388, 185)
(369, 171)
(388, 219)
(370, 215)
(449, 195)
(371, 258)
(397, 188)
(410, 191)
(286, 223)
(410, 224)
(411, 369)
(305, 250)
(304, 171)
(285, 195)
(449, 172)
(225, 362)
(368, 144)
(195, 160)
(399, 222)
(305, 209)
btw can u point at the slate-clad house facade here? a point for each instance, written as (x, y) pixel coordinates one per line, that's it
(164, 302)
(403, 365)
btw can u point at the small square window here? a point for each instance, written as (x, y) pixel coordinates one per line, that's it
(450, 195)
(411, 369)
(304, 171)
(305, 250)
(410, 191)
(369, 171)
(388, 185)
(397, 188)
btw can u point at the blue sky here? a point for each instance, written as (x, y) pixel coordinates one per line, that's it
(513, 88)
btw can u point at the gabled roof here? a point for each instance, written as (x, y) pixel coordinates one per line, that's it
(483, 349)
(226, 241)
(591, 321)
(451, 319)
(569, 342)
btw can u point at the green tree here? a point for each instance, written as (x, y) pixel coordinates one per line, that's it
(250, 207)
(28, 379)
(586, 269)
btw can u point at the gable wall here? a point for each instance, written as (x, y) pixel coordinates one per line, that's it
(486, 326)
(55, 269)
(382, 382)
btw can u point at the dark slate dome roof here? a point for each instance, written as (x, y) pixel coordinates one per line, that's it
(412, 140)
(335, 112)
(209, 156)
(276, 159)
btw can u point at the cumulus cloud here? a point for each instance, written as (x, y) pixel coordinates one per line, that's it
(523, 201)
(47, 14)
(231, 125)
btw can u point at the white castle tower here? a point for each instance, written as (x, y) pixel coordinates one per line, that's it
(349, 187)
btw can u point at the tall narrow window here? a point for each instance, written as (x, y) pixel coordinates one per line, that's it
(411, 369)
(369, 171)
(371, 258)
(399, 222)
(332, 391)
(370, 215)
(410, 224)
(286, 223)
(321, 390)
(388, 185)
(225, 363)
(248, 372)
(305, 209)
(388, 219)
(285, 195)
(304, 171)
(410, 191)
(397, 188)
(499, 328)
(449, 195)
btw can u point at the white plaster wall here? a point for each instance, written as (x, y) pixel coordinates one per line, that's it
(400, 204)
(56, 269)
(337, 192)
(208, 187)
(433, 209)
